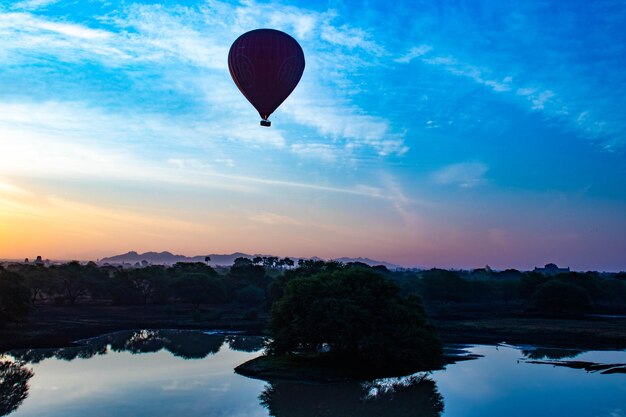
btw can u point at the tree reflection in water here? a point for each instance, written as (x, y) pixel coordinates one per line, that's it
(551, 353)
(187, 344)
(13, 385)
(183, 344)
(398, 397)
(246, 343)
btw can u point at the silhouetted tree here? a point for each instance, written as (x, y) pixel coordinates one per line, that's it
(360, 316)
(73, 281)
(243, 273)
(529, 284)
(197, 288)
(141, 285)
(14, 379)
(443, 285)
(15, 298)
(38, 280)
(242, 261)
(288, 262)
(556, 296)
(250, 295)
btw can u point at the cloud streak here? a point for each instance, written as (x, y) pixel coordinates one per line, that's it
(464, 175)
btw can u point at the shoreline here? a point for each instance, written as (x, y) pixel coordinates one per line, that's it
(59, 326)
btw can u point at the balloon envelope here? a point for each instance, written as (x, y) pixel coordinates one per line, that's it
(266, 65)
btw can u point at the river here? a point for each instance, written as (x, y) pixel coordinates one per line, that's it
(190, 373)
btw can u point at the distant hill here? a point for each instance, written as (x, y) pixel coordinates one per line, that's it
(370, 262)
(168, 258)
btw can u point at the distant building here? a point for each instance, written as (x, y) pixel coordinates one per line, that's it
(551, 269)
(39, 261)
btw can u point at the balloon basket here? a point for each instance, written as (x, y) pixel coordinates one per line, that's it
(266, 123)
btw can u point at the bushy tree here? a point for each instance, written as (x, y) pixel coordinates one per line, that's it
(38, 279)
(180, 268)
(197, 288)
(250, 295)
(443, 285)
(246, 282)
(529, 284)
(73, 281)
(15, 298)
(150, 283)
(556, 296)
(358, 315)
(248, 272)
(306, 268)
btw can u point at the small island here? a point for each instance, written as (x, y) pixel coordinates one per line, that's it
(337, 323)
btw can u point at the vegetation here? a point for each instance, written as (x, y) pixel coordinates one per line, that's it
(14, 379)
(354, 315)
(251, 286)
(15, 298)
(561, 297)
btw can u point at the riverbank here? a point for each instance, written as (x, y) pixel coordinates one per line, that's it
(313, 368)
(56, 326)
(585, 333)
(59, 326)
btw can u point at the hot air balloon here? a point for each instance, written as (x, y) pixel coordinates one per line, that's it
(266, 65)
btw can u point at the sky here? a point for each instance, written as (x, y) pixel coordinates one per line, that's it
(452, 133)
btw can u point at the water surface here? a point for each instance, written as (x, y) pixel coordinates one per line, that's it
(190, 373)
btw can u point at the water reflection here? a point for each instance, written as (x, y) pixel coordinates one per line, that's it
(181, 343)
(550, 353)
(118, 380)
(246, 343)
(416, 396)
(14, 379)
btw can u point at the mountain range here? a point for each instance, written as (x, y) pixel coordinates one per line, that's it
(168, 258)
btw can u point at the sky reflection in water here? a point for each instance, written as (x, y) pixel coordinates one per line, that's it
(164, 373)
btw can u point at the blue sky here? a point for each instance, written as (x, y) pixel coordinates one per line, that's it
(433, 133)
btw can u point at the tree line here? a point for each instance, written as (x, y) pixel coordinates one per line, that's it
(255, 284)
(563, 293)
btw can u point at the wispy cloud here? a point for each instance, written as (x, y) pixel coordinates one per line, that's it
(469, 71)
(553, 99)
(33, 4)
(350, 38)
(275, 219)
(464, 175)
(74, 140)
(321, 151)
(348, 123)
(414, 52)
